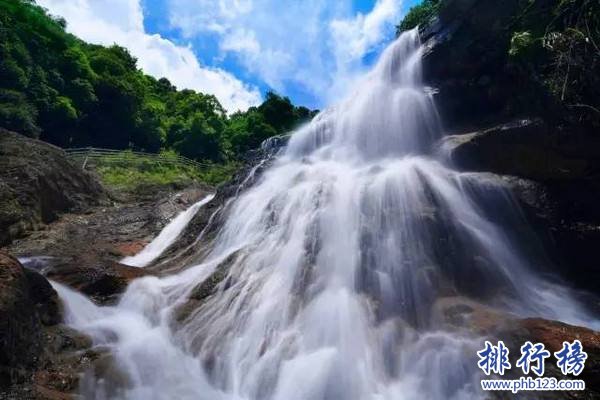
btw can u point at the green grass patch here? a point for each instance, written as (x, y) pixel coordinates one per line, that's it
(128, 171)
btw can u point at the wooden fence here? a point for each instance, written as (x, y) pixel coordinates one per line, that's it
(91, 157)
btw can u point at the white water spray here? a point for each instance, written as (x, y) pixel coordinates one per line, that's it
(167, 236)
(329, 269)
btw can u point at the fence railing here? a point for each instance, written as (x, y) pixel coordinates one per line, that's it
(92, 156)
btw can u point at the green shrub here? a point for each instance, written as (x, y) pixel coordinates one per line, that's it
(520, 43)
(127, 170)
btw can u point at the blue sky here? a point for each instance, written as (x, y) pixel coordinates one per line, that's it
(309, 50)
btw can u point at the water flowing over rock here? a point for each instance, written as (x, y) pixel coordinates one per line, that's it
(167, 236)
(324, 276)
(505, 120)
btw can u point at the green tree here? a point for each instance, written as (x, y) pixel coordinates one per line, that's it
(248, 130)
(418, 15)
(200, 140)
(56, 87)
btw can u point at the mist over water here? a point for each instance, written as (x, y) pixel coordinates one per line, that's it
(335, 266)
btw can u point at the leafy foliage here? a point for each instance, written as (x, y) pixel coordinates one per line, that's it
(418, 15)
(520, 43)
(55, 87)
(559, 43)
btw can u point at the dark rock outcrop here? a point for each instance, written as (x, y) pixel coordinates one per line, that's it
(501, 119)
(467, 61)
(37, 183)
(466, 55)
(27, 304)
(555, 183)
(527, 148)
(567, 222)
(39, 357)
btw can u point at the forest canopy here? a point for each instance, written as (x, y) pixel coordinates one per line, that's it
(58, 88)
(417, 15)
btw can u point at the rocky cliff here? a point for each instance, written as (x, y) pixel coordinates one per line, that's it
(502, 117)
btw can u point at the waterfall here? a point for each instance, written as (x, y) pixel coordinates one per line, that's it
(329, 272)
(167, 236)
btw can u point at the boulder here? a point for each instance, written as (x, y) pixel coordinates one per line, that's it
(102, 282)
(27, 304)
(526, 148)
(37, 183)
(113, 377)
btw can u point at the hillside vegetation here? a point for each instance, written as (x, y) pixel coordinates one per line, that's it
(418, 15)
(58, 88)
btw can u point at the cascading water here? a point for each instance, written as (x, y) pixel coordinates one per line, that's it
(333, 266)
(166, 237)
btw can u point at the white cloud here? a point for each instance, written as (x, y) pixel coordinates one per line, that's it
(122, 22)
(317, 44)
(354, 37)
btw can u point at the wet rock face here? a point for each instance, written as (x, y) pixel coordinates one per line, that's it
(527, 148)
(37, 183)
(198, 236)
(467, 50)
(102, 282)
(27, 304)
(83, 250)
(566, 217)
(501, 120)
(557, 190)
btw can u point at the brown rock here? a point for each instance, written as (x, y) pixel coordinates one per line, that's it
(130, 248)
(44, 393)
(552, 334)
(101, 282)
(461, 313)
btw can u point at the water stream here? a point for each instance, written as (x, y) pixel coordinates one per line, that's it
(333, 268)
(167, 236)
